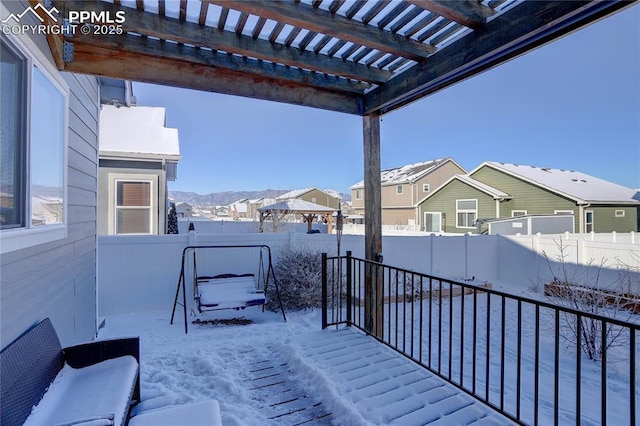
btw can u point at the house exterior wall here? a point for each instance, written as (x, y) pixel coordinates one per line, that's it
(58, 279)
(399, 216)
(321, 198)
(105, 193)
(605, 219)
(526, 196)
(444, 201)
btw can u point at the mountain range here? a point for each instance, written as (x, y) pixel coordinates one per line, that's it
(228, 197)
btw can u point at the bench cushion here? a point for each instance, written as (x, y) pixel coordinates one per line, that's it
(232, 292)
(201, 413)
(93, 395)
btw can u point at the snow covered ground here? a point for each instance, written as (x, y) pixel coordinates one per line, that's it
(342, 382)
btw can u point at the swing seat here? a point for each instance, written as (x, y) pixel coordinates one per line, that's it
(228, 291)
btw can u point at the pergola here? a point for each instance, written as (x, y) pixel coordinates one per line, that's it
(309, 211)
(363, 57)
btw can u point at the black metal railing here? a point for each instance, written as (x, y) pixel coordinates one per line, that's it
(525, 358)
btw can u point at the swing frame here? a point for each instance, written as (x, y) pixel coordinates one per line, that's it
(269, 274)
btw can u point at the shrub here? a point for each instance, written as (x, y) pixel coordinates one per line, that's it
(299, 275)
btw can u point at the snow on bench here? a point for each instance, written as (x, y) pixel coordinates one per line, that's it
(228, 292)
(92, 395)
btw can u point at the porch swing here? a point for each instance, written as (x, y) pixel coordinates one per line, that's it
(226, 290)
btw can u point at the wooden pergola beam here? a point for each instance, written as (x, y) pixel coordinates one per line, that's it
(181, 52)
(149, 69)
(166, 28)
(517, 31)
(469, 13)
(324, 22)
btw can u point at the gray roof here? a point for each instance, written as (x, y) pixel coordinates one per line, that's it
(578, 186)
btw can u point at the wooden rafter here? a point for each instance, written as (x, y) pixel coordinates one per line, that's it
(361, 57)
(469, 13)
(508, 35)
(180, 52)
(166, 28)
(146, 68)
(322, 21)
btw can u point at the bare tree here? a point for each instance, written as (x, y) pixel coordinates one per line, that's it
(580, 288)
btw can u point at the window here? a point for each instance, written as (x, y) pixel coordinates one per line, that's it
(619, 213)
(588, 221)
(133, 207)
(516, 213)
(313, 200)
(399, 189)
(433, 221)
(358, 194)
(425, 187)
(563, 212)
(33, 126)
(466, 213)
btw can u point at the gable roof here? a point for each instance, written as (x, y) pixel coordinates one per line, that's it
(137, 131)
(495, 193)
(578, 186)
(300, 192)
(408, 173)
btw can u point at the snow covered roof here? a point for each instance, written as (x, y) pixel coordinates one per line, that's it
(137, 130)
(487, 189)
(407, 173)
(300, 192)
(495, 193)
(297, 205)
(578, 186)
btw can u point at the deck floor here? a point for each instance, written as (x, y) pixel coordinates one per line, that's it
(385, 387)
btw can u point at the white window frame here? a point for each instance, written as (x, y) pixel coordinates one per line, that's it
(399, 189)
(586, 224)
(313, 200)
(114, 178)
(358, 194)
(517, 213)
(424, 223)
(466, 211)
(619, 213)
(425, 187)
(13, 239)
(571, 212)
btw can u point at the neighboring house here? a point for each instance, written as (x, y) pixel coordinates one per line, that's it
(322, 197)
(239, 209)
(47, 189)
(403, 187)
(498, 190)
(184, 209)
(138, 156)
(256, 203)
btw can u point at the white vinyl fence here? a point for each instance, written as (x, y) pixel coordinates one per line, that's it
(140, 273)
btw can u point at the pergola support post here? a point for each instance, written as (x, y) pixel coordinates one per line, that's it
(373, 320)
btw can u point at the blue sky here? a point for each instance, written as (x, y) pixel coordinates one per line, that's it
(573, 104)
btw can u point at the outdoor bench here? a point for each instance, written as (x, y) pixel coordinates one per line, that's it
(42, 383)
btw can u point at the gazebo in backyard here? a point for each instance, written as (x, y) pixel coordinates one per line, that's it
(365, 58)
(309, 211)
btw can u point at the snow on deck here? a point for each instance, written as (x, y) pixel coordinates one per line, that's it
(275, 373)
(386, 388)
